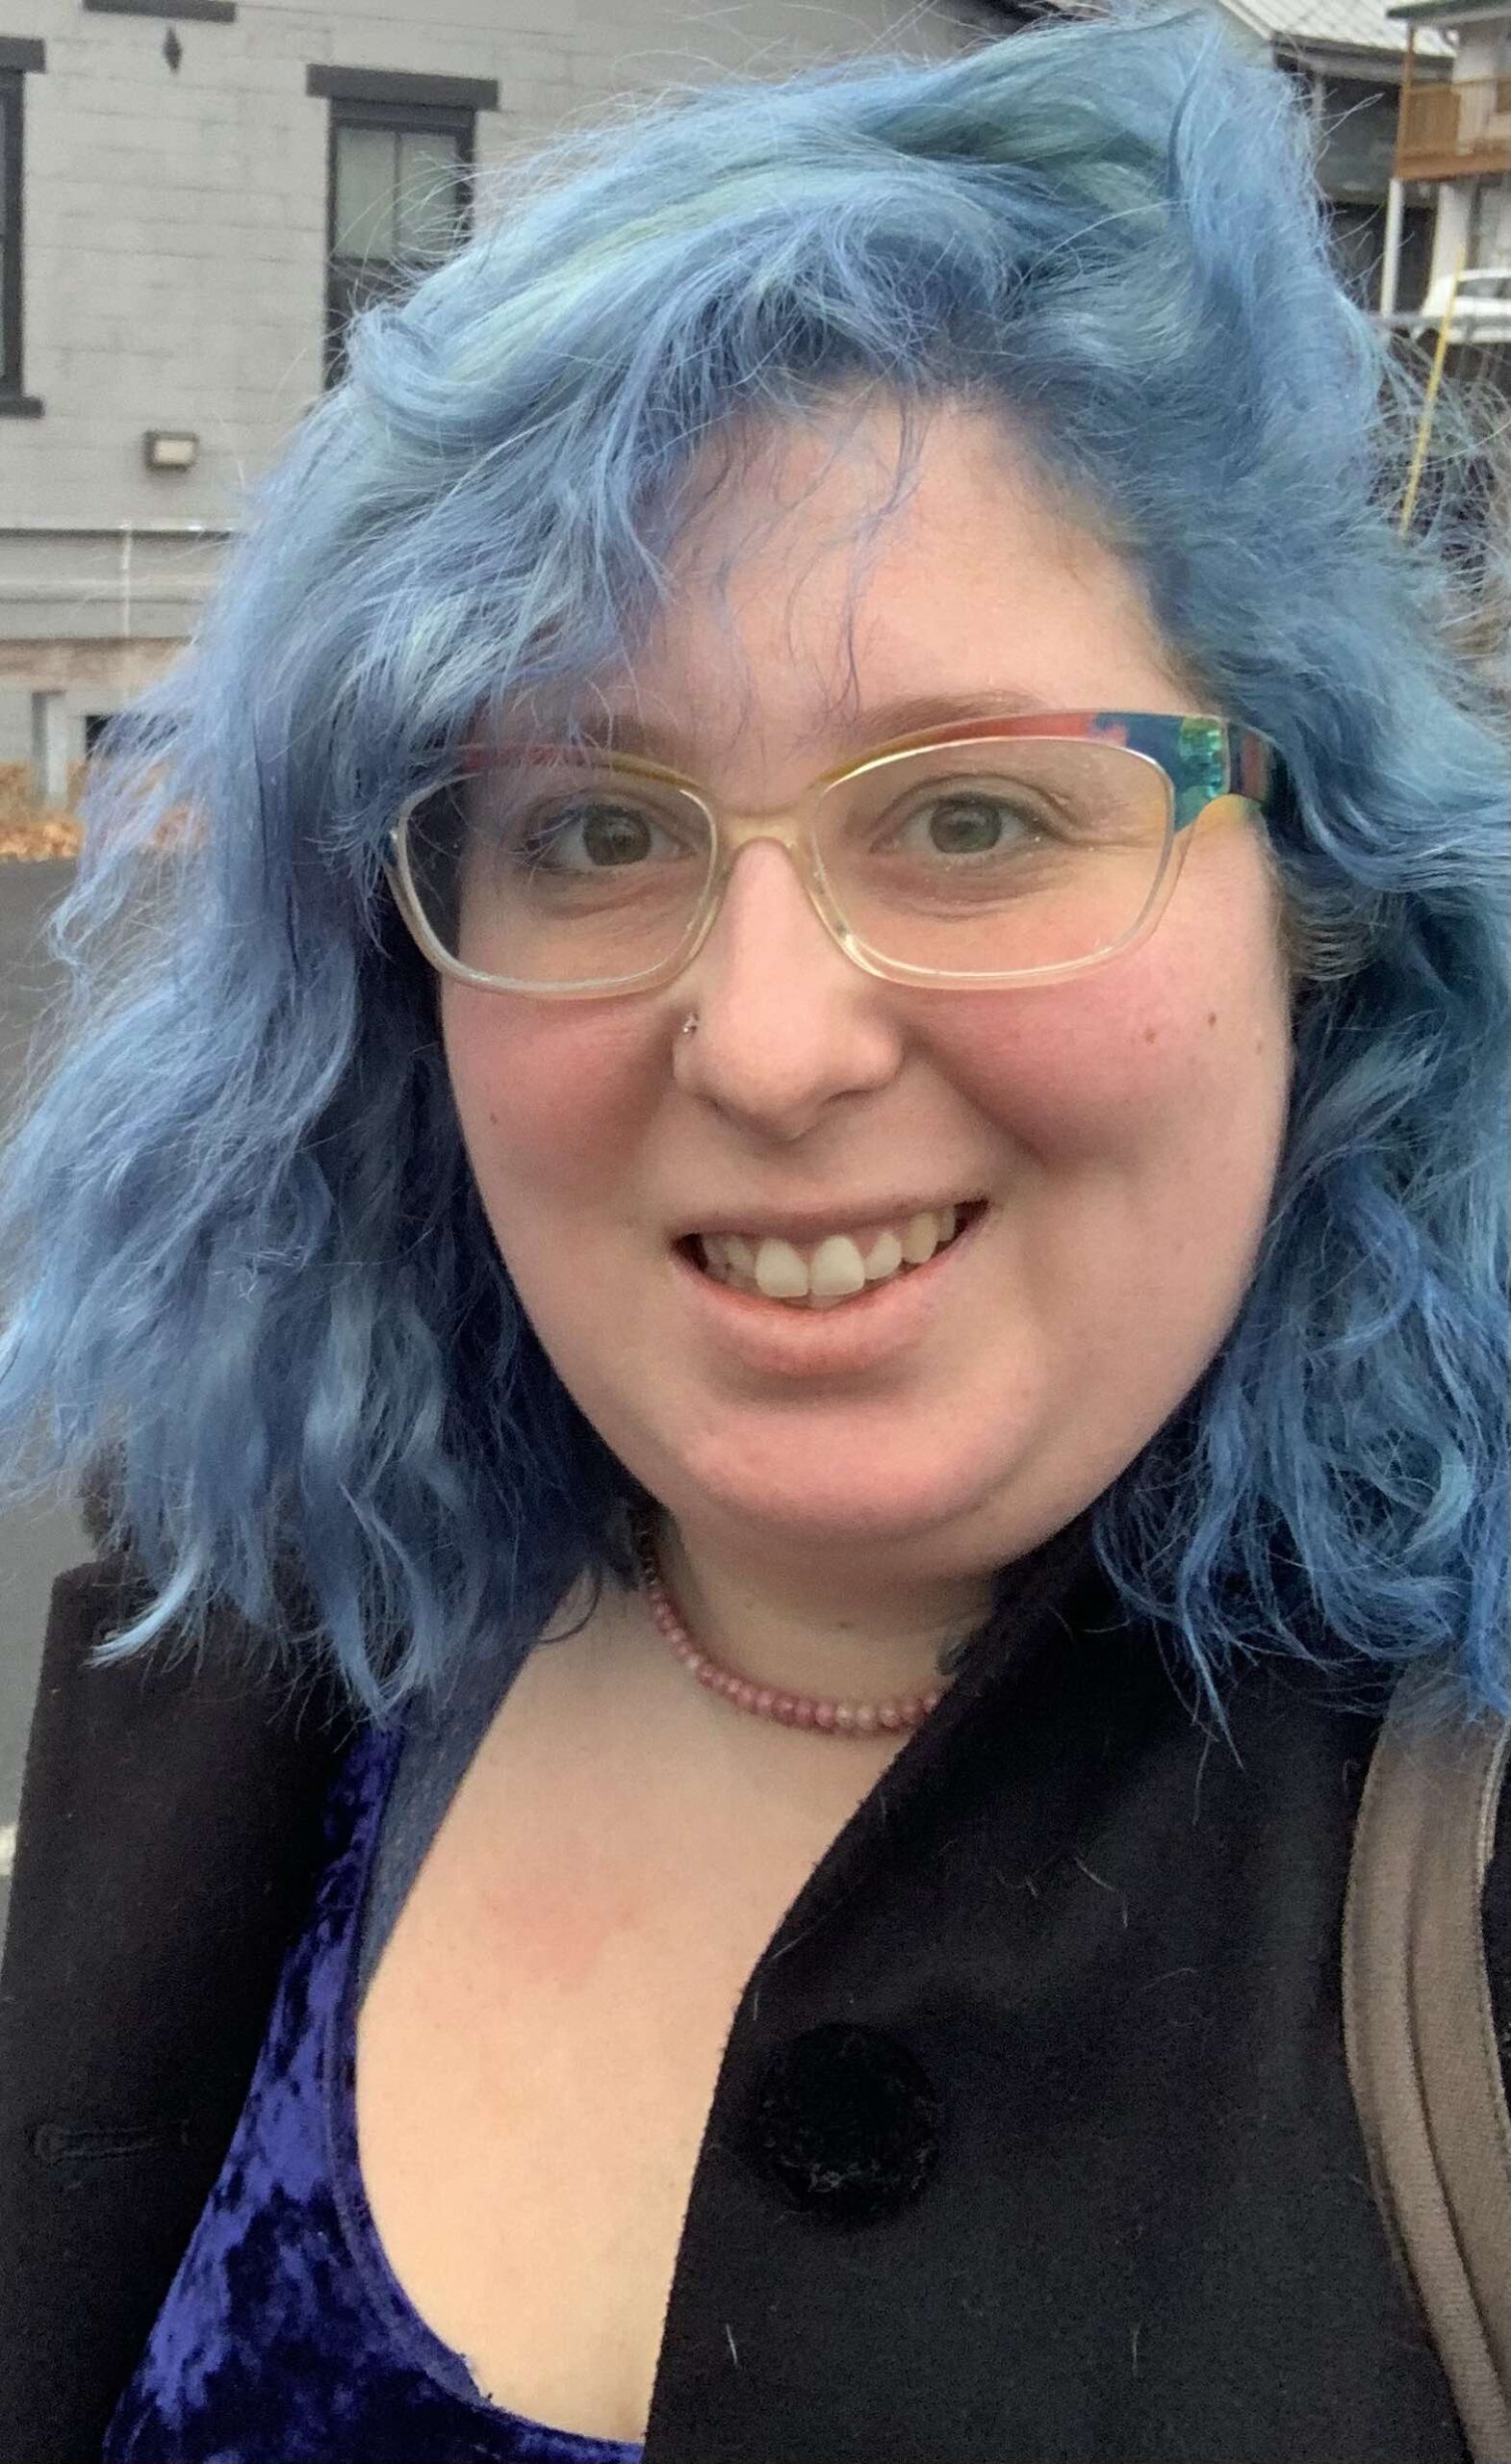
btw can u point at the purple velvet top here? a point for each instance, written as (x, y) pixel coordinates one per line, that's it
(286, 2337)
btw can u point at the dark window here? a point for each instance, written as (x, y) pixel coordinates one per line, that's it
(10, 231)
(399, 202)
(1358, 235)
(1358, 124)
(1355, 122)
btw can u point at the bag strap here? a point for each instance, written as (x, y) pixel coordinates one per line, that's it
(1419, 2036)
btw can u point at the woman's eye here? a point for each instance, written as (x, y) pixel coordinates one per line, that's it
(968, 823)
(592, 835)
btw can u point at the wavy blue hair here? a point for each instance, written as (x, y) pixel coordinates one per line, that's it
(254, 1276)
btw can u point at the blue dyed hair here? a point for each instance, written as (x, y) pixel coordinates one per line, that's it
(254, 1276)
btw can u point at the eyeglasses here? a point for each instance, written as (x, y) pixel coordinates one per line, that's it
(1000, 851)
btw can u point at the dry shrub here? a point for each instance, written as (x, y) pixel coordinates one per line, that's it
(31, 832)
(37, 833)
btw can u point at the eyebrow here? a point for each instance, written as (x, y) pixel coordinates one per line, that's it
(908, 715)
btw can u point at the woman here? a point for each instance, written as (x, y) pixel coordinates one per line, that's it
(829, 1017)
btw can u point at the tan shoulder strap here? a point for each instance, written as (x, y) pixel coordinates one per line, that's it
(1419, 2036)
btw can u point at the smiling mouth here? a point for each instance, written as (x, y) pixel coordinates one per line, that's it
(767, 1270)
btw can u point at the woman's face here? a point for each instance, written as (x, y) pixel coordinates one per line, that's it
(1124, 1125)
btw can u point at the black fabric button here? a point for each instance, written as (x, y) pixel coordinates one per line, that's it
(845, 2122)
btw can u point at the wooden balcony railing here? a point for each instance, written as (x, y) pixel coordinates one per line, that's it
(1448, 132)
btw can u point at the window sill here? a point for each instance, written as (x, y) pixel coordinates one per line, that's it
(213, 12)
(20, 406)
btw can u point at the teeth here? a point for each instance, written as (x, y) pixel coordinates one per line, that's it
(779, 1271)
(885, 1258)
(834, 1268)
(922, 1237)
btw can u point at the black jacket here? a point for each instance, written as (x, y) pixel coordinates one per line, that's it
(1033, 2141)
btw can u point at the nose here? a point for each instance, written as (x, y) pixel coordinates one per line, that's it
(785, 1020)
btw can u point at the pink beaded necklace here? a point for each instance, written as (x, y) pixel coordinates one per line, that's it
(793, 1711)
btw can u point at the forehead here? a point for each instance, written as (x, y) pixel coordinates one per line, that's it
(842, 582)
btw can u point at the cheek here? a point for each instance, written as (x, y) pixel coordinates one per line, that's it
(550, 1095)
(1142, 1059)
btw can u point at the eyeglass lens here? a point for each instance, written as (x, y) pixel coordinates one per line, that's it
(982, 858)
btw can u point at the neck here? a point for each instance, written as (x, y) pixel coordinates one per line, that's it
(805, 1627)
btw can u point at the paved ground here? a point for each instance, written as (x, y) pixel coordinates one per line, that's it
(35, 1544)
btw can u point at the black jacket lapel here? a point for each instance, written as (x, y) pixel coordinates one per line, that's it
(123, 2064)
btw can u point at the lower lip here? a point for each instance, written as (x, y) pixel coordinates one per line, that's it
(784, 1341)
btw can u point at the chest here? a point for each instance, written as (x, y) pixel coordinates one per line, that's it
(536, 2059)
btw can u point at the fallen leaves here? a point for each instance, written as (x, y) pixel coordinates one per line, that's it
(31, 832)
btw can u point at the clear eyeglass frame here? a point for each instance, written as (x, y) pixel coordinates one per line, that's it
(1208, 765)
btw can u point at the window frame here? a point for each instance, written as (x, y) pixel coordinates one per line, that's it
(20, 56)
(12, 114)
(202, 13)
(403, 118)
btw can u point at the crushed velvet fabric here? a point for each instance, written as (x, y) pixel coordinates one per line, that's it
(286, 2338)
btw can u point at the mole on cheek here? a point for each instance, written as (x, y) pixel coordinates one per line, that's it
(1211, 1017)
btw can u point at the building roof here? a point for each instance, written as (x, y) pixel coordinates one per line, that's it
(1451, 12)
(1362, 27)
